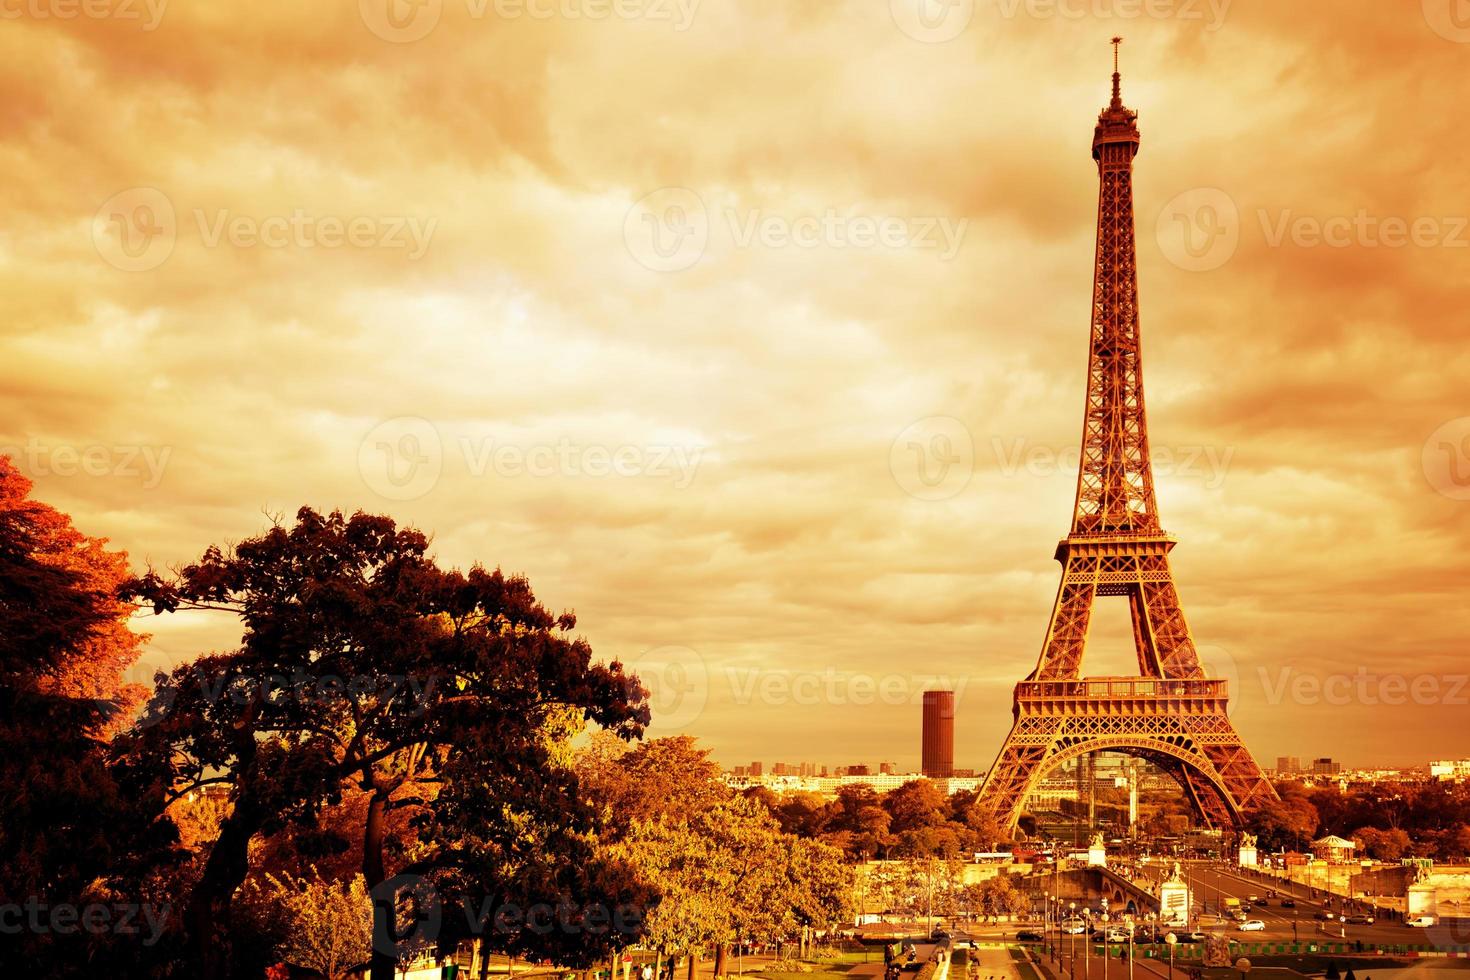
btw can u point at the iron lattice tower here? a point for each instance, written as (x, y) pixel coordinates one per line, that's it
(1171, 713)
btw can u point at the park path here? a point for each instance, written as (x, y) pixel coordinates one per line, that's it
(992, 964)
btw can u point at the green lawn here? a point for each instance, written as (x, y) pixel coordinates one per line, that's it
(1023, 966)
(852, 957)
(828, 971)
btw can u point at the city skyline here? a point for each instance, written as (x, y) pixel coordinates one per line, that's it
(757, 431)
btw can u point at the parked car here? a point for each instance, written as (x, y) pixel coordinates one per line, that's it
(1359, 919)
(1421, 922)
(1027, 936)
(1253, 925)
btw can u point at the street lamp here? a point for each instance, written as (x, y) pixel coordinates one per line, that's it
(1128, 921)
(1172, 941)
(1244, 966)
(1086, 945)
(1071, 940)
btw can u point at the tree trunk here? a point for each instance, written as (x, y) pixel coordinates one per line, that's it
(209, 902)
(383, 963)
(372, 838)
(722, 955)
(693, 964)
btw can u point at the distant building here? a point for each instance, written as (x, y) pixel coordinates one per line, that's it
(757, 769)
(887, 768)
(938, 735)
(1326, 767)
(1453, 770)
(828, 786)
(1288, 764)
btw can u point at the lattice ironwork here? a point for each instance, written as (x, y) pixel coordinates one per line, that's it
(1171, 713)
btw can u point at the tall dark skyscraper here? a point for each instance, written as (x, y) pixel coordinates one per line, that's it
(938, 748)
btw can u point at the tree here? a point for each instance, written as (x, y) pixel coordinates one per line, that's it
(330, 924)
(857, 821)
(69, 836)
(916, 805)
(362, 663)
(1291, 824)
(723, 868)
(986, 827)
(1385, 845)
(997, 896)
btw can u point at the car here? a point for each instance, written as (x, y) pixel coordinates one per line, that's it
(1073, 927)
(1252, 899)
(1239, 915)
(1253, 925)
(1027, 936)
(1359, 919)
(1113, 935)
(1263, 903)
(1288, 903)
(938, 935)
(1194, 937)
(1324, 915)
(1421, 922)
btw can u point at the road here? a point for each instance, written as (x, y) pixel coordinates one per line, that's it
(1213, 883)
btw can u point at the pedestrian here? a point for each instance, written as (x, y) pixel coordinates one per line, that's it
(646, 973)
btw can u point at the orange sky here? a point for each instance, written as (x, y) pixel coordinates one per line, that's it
(653, 300)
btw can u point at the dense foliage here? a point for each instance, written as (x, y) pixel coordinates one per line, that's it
(913, 821)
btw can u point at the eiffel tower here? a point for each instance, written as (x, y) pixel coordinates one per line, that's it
(1171, 713)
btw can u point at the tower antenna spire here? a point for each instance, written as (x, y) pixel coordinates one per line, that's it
(1117, 93)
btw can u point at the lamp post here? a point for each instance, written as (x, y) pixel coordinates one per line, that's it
(1128, 921)
(1071, 940)
(1046, 926)
(1086, 945)
(1244, 966)
(1172, 940)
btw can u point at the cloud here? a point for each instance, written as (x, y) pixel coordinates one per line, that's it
(363, 231)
